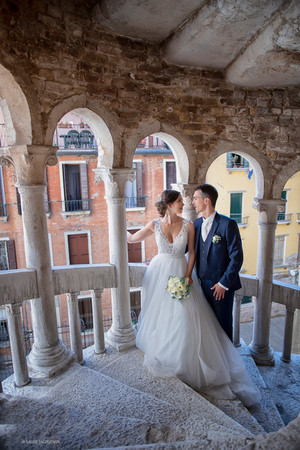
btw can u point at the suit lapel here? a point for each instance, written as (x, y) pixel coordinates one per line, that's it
(198, 234)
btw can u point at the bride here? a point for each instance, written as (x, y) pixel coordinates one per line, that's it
(183, 338)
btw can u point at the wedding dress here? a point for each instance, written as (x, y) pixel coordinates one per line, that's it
(184, 338)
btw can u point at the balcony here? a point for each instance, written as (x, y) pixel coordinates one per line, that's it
(242, 221)
(3, 212)
(76, 207)
(136, 203)
(284, 219)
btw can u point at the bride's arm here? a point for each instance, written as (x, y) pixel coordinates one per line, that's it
(142, 234)
(191, 258)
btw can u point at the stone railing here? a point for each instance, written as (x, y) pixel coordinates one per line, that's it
(17, 286)
(288, 295)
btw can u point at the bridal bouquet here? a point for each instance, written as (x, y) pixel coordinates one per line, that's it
(178, 287)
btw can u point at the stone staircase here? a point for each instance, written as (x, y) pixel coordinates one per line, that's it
(114, 402)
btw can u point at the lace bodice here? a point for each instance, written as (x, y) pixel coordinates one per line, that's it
(176, 248)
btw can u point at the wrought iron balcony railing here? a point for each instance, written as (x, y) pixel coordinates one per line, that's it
(136, 202)
(240, 220)
(284, 218)
(3, 211)
(76, 205)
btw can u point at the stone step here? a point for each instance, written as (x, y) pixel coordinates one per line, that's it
(128, 368)
(266, 412)
(82, 408)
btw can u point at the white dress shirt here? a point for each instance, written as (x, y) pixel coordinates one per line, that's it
(206, 226)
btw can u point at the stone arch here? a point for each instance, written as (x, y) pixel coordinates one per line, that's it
(181, 148)
(264, 175)
(283, 176)
(15, 110)
(101, 122)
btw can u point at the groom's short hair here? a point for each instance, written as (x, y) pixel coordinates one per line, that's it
(208, 191)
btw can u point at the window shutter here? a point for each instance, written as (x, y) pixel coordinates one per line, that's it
(84, 187)
(11, 254)
(19, 202)
(139, 183)
(229, 160)
(236, 206)
(2, 206)
(46, 198)
(170, 174)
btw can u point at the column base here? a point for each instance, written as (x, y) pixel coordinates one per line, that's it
(263, 356)
(47, 362)
(120, 338)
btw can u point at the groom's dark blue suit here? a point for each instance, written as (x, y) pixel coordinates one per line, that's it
(219, 259)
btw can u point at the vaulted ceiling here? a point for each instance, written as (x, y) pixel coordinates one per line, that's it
(256, 42)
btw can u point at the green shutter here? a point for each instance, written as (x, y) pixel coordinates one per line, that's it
(236, 206)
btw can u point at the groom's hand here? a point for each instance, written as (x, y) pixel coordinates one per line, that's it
(218, 291)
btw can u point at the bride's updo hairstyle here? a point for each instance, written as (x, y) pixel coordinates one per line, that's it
(167, 197)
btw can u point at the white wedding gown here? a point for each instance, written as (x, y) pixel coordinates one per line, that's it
(184, 339)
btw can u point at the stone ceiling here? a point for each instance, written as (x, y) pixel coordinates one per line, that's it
(256, 42)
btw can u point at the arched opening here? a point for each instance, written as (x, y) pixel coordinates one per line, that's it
(287, 238)
(77, 225)
(15, 111)
(160, 162)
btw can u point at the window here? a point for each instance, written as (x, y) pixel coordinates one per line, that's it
(8, 259)
(135, 254)
(134, 250)
(75, 187)
(85, 313)
(78, 247)
(282, 215)
(279, 250)
(236, 161)
(169, 173)
(236, 202)
(134, 189)
(2, 196)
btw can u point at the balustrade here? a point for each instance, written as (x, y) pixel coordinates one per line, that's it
(17, 286)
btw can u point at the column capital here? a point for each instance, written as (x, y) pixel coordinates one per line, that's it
(268, 209)
(13, 308)
(73, 296)
(29, 162)
(114, 180)
(187, 192)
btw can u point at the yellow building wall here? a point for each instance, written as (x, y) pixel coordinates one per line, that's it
(236, 180)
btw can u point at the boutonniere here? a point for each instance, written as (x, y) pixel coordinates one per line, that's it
(216, 239)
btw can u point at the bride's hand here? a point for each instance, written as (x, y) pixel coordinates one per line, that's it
(189, 280)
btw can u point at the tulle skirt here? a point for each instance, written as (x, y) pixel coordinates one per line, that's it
(184, 338)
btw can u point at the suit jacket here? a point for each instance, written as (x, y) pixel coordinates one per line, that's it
(224, 258)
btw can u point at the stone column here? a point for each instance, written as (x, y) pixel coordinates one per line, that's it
(288, 333)
(237, 319)
(121, 335)
(98, 321)
(187, 192)
(48, 354)
(267, 222)
(17, 346)
(74, 324)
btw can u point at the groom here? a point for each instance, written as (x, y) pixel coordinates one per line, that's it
(219, 255)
